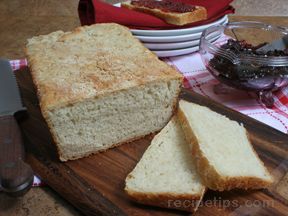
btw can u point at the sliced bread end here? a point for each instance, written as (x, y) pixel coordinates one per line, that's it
(165, 176)
(212, 178)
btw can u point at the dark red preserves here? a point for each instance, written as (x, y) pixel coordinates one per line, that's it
(249, 75)
(165, 5)
(247, 71)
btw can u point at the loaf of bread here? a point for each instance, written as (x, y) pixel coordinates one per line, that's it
(223, 154)
(166, 176)
(98, 87)
(170, 11)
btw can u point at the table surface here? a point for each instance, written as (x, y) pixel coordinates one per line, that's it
(20, 20)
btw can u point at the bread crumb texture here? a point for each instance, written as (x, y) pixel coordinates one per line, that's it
(98, 87)
(166, 171)
(223, 154)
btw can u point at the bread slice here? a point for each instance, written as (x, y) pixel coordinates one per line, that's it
(98, 87)
(165, 176)
(198, 14)
(224, 156)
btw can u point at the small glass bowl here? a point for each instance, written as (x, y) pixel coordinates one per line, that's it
(262, 72)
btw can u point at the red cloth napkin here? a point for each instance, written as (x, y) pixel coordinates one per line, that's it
(96, 11)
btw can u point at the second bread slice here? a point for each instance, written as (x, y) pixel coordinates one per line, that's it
(224, 157)
(165, 176)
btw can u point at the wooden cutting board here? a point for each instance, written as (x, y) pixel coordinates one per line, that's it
(95, 184)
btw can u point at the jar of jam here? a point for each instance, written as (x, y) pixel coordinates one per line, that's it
(246, 59)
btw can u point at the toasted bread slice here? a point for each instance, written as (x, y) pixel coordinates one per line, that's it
(198, 14)
(224, 156)
(165, 176)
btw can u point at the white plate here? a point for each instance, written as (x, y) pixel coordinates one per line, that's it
(176, 52)
(170, 39)
(190, 30)
(177, 45)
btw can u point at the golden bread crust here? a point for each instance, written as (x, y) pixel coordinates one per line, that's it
(184, 202)
(90, 62)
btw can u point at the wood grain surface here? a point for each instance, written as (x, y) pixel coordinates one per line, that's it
(95, 184)
(23, 19)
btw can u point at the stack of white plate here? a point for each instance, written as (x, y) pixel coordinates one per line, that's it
(167, 43)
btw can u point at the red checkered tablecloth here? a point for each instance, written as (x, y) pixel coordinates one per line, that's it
(18, 64)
